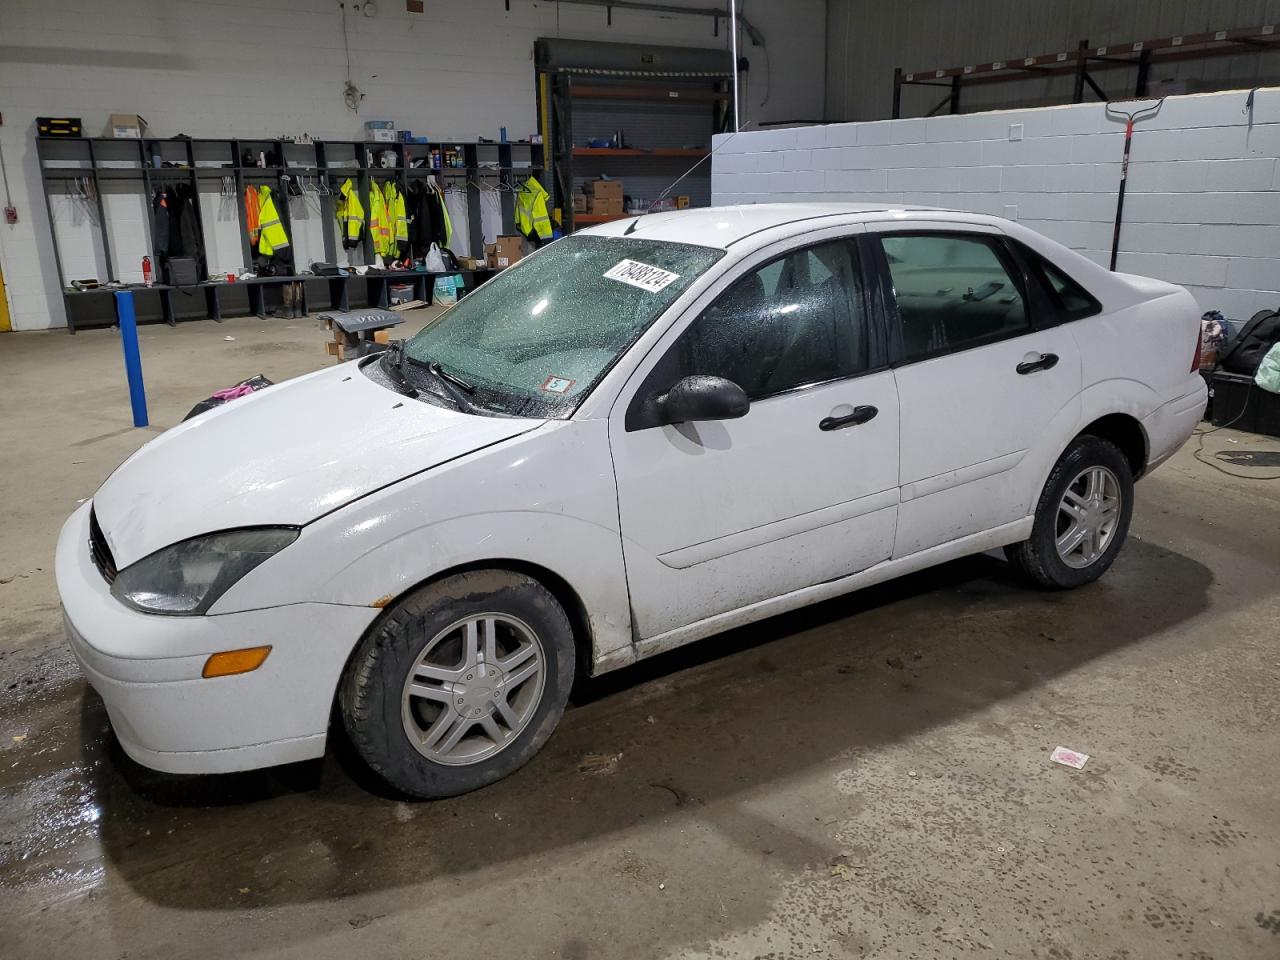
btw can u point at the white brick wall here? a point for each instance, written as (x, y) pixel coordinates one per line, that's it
(270, 67)
(1202, 207)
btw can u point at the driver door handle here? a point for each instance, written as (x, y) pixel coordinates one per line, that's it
(860, 415)
(1046, 362)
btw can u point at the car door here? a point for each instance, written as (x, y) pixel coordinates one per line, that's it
(984, 378)
(802, 489)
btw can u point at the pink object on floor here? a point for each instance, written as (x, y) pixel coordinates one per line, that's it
(1069, 758)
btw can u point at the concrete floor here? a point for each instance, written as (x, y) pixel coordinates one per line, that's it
(865, 778)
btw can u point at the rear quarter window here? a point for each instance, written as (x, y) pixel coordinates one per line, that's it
(1069, 300)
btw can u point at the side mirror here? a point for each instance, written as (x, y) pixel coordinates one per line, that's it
(702, 398)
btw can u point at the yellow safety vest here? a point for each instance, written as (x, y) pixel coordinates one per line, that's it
(271, 237)
(350, 213)
(531, 210)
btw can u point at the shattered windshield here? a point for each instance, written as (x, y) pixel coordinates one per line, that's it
(534, 340)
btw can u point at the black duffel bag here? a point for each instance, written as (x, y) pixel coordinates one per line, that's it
(1259, 335)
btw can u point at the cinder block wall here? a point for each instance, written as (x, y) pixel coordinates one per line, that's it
(1203, 202)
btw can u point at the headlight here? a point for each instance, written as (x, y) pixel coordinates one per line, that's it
(187, 578)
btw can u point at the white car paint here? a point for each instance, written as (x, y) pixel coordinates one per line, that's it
(290, 467)
(825, 509)
(693, 528)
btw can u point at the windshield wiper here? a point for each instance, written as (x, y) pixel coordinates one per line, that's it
(439, 371)
(395, 353)
(453, 385)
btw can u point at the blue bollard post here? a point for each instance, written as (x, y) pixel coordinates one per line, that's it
(132, 358)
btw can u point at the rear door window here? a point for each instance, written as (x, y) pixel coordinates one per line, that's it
(954, 292)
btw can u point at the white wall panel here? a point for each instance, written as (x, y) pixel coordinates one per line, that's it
(1210, 222)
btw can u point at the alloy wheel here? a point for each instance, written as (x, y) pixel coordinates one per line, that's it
(1088, 515)
(473, 689)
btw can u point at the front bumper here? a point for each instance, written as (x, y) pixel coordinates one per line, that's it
(147, 670)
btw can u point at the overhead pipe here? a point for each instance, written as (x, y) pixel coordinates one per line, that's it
(755, 35)
(733, 39)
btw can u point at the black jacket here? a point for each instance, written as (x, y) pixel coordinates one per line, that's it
(177, 228)
(426, 218)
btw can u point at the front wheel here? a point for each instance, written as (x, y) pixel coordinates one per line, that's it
(460, 684)
(1081, 519)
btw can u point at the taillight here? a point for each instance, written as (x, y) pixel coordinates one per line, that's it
(1195, 363)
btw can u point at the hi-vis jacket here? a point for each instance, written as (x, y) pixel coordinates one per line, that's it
(350, 214)
(531, 210)
(379, 226)
(397, 221)
(272, 238)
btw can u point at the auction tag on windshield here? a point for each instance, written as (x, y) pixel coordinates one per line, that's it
(641, 275)
(557, 384)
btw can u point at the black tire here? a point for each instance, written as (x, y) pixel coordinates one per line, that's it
(373, 687)
(1037, 558)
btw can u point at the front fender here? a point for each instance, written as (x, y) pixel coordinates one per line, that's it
(582, 554)
(545, 498)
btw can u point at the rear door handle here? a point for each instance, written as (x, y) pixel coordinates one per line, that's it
(860, 415)
(1046, 362)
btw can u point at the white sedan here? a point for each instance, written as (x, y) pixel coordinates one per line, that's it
(642, 434)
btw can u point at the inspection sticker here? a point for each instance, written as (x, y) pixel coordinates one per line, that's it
(641, 275)
(557, 384)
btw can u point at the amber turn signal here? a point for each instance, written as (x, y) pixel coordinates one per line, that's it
(235, 661)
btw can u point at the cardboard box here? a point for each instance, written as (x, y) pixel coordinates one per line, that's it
(605, 208)
(579, 203)
(125, 126)
(682, 203)
(604, 189)
(382, 136)
(505, 252)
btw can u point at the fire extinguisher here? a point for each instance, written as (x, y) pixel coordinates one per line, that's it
(146, 271)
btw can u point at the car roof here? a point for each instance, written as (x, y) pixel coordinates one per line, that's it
(723, 226)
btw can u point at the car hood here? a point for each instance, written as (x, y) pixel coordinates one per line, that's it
(285, 455)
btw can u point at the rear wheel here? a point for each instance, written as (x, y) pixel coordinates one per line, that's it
(460, 684)
(1081, 519)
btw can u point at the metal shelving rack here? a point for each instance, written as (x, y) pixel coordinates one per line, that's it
(195, 161)
(668, 104)
(1138, 55)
